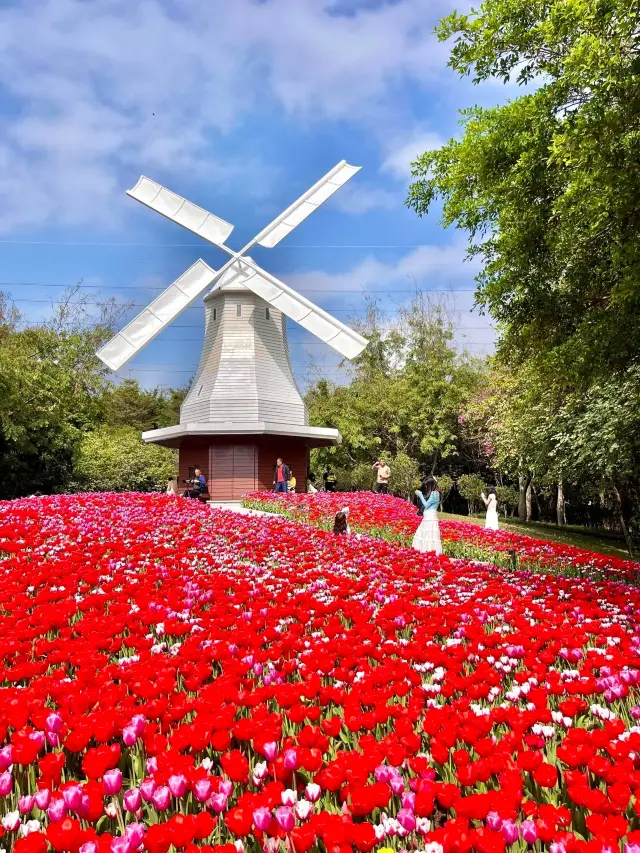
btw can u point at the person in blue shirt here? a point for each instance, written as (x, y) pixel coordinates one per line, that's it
(427, 536)
(197, 485)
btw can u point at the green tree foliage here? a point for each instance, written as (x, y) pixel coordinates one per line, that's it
(127, 404)
(50, 385)
(470, 487)
(548, 186)
(54, 392)
(115, 459)
(403, 400)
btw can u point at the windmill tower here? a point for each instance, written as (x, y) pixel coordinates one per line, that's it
(243, 409)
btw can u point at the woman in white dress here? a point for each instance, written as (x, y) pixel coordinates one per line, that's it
(491, 503)
(427, 536)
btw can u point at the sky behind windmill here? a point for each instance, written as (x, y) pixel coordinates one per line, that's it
(239, 106)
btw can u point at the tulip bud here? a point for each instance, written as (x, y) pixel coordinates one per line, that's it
(407, 820)
(494, 821)
(529, 831)
(262, 818)
(132, 800)
(290, 759)
(6, 783)
(202, 790)
(313, 792)
(112, 781)
(285, 818)
(57, 810)
(509, 831)
(270, 750)
(43, 798)
(178, 785)
(289, 797)
(161, 798)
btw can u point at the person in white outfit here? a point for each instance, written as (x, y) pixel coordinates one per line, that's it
(491, 503)
(427, 536)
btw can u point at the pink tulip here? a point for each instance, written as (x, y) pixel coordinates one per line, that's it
(270, 750)
(202, 790)
(25, 804)
(43, 798)
(88, 847)
(509, 831)
(54, 722)
(558, 847)
(529, 831)
(396, 783)
(57, 810)
(132, 800)
(313, 792)
(129, 736)
(262, 818)
(285, 818)
(291, 759)
(494, 821)
(121, 845)
(161, 798)
(6, 783)
(138, 723)
(178, 785)
(38, 737)
(407, 820)
(147, 787)
(218, 802)
(72, 797)
(225, 787)
(152, 765)
(408, 801)
(135, 834)
(53, 739)
(6, 757)
(112, 781)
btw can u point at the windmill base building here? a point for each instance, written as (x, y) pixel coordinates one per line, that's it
(243, 409)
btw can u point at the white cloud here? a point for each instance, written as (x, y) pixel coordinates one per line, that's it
(95, 90)
(403, 153)
(363, 198)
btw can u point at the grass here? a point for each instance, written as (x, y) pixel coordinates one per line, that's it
(605, 544)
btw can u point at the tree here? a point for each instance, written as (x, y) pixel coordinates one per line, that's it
(405, 392)
(115, 459)
(470, 487)
(126, 404)
(548, 186)
(50, 385)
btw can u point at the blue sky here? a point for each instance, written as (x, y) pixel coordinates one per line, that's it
(239, 106)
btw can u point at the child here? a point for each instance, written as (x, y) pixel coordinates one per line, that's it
(340, 522)
(292, 482)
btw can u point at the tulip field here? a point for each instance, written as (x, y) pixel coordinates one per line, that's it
(176, 678)
(396, 520)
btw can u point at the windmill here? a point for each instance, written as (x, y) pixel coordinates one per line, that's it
(243, 409)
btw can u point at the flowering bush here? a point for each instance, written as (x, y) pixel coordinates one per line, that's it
(180, 679)
(396, 520)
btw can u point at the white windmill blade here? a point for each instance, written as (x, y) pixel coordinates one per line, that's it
(306, 204)
(178, 209)
(343, 339)
(150, 322)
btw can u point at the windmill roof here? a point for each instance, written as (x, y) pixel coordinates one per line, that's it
(171, 436)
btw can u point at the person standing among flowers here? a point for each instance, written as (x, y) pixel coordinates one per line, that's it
(281, 475)
(427, 536)
(292, 484)
(491, 503)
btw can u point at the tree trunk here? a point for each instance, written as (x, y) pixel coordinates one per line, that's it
(562, 519)
(528, 500)
(523, 484)
(623, 524)
(434, 463)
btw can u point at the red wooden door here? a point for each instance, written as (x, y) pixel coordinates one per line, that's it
(221, 472)
(244, 470)
(232, 471)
